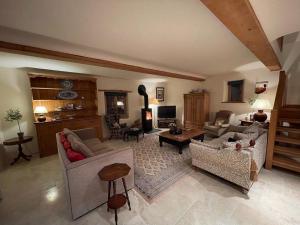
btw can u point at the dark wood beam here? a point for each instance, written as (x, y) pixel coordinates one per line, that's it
(46, 53)
(239, 17)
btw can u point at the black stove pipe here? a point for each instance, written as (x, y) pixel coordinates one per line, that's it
(142, 91)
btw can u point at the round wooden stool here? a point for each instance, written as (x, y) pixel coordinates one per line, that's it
(111, 173)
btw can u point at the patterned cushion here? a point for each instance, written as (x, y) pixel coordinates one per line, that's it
(209, 144)
(245, 143)
(253, 131)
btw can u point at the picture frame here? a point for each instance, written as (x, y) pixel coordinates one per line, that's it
(160, 94)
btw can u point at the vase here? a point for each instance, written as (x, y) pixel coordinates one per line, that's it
(20, 135)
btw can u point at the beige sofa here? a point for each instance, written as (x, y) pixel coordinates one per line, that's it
(239, 167)
(85, 191)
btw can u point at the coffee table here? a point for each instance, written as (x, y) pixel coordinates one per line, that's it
(180, 140)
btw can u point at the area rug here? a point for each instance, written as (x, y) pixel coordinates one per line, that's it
(156, 168)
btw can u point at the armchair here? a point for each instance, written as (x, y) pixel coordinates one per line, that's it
(220, 125)
(116, 128)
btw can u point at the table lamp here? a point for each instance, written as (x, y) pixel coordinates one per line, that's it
(41, 110)
(260, 105)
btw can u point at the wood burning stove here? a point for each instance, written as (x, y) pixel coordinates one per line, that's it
(147, 119)
(146, 112)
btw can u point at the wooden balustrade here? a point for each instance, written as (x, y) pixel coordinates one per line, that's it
(271, 138)
(279, 101)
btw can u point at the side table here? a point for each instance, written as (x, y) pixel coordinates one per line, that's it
(111, 173)
(19, 142)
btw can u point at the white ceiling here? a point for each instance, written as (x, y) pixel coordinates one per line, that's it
(173, 35)
(277, 17)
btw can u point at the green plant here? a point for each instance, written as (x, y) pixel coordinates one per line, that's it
(14, 115)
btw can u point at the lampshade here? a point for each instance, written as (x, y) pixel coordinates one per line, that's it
(261, 104)
(120, 103)
(40, 110)
(154, 101)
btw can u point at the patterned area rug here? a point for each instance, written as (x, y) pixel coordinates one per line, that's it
(156, 168)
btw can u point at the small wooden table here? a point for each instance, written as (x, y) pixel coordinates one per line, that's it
(180, 140)
(111, 173)
(19, 142)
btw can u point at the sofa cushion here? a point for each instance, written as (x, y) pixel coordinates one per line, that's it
(79, 146)
(253, 131)
(74, 156)
(239, 129)
(209, 144)
(245, 143)
(97, 146)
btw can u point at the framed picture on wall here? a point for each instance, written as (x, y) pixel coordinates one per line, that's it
(160, 94)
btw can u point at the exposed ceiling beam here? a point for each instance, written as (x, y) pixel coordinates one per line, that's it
(239, 17)
(46, 53)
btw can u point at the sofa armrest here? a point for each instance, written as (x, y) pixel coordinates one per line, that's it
(259, 150)
(86, 133)
(96, 157)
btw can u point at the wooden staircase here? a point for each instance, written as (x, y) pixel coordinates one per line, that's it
(284, 133)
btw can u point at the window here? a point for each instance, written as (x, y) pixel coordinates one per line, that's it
(235, 90)
(116, 103)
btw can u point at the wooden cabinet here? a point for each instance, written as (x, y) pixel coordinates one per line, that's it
(73, 113)
(196, 109)
(46, 131)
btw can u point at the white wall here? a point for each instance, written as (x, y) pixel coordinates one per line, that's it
(15, 92)
(217, 88)
(291, 64)
(174, 91)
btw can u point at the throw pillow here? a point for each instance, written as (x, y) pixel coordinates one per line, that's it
(62, 137)
(74, 156)
(68, 132)
(82, 148)
(253, 131)
(239, 129)
(245, 143)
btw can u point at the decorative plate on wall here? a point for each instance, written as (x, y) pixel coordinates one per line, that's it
(67, 94)
(67, 84)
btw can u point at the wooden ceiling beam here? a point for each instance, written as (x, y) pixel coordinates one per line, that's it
(45, 53)
(239, 17)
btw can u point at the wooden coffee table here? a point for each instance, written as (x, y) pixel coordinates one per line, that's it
(181, 140)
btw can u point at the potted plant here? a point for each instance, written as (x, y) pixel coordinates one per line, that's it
(15, 115)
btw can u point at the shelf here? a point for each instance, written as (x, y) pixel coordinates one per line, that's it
(59, 89)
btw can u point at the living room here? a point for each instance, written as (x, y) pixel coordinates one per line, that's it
(152, 118)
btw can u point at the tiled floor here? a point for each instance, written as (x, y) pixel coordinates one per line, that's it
(33, 193)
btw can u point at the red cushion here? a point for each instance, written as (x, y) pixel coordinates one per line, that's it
(62, 137)
(67, 144)
(74, 156)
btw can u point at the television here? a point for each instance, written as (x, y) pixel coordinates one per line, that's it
(166, 112)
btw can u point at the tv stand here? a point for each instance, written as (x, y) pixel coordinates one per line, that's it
(164, 122)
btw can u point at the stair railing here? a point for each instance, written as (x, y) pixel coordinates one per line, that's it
(279, 101)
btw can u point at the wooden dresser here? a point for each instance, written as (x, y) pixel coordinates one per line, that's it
(76, 113)
(196, 109)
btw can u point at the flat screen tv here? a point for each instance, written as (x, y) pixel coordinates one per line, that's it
(166, 112)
